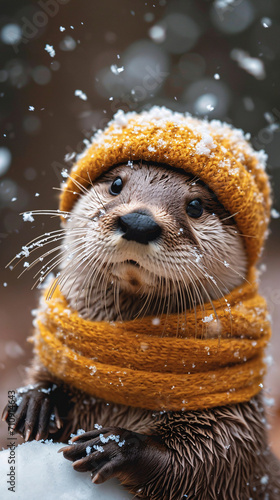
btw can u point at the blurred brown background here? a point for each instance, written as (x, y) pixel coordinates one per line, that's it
(217, 58)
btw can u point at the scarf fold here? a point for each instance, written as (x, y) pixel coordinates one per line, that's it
(193, 361)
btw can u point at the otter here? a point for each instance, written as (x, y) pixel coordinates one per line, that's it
(150, 239)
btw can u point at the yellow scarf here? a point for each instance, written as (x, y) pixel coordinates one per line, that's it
(165, 366)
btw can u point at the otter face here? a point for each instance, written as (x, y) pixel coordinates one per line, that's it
(147, 239)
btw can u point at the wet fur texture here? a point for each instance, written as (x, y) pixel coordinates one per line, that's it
(220, 453)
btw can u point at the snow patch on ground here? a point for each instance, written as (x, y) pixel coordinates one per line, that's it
(42, 473)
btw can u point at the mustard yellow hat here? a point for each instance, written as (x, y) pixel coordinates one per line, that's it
(217, 153)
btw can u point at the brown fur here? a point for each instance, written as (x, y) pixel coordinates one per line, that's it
(214, 454)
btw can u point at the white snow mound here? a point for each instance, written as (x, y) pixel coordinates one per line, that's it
(42, 473)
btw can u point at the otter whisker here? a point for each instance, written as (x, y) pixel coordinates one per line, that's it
(28, 246)
(177, 301)
(213, 283)
(192, 180)
(88, 281)
(183, 308)
(230, 267)
(197, 297)
(189, 295)
(64, 274)
(162, 292)
(230, 216)
(88, 250)
(65, 249)
(208, 297)
(94, 190)
(226, 288)
(115, 297)
(64, 190)
(98, 273)
(161, 296)
(53, 266)
(147, 302)
(84, 188)
(78, 184)
(151, 292)
(60, 213)
(42, 257)
(104, 283)
(242, 235)
(117, 301)
(155, 296)
(193, 278)
(167, 293)
(46, 241)
(89, 274)
(210, 279)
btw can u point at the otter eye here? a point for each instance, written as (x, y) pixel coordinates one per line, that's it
(116, 186)
(195, 208)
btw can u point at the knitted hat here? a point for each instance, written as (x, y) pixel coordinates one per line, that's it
(217, 153)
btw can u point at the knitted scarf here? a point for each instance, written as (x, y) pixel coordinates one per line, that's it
(173, 365)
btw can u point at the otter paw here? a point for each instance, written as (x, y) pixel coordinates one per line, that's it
(108, 452)
(35, 414)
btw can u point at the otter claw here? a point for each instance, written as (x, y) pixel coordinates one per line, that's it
(44, 419)
(85, 436)
(20, 413)
(57, 419)
(27, 434)
(5, 414)
(95, 478)
(32, 418)
(64, 449)
(103, 452)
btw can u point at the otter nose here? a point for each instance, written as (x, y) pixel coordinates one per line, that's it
(139, 226)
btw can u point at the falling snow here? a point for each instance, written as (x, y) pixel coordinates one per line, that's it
(253, 65)
(27, 216)
(64, 173)
(156, 321)
(81, 95)
(50, 50)
(274, 213)
(114, 68)
(208, 319)
(266, 22)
